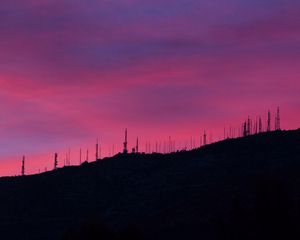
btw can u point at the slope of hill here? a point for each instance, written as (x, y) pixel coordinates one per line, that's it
(246, 188)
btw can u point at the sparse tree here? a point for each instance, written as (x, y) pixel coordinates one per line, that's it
(55, 161)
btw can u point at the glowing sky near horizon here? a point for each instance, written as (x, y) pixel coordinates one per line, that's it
(72, 71)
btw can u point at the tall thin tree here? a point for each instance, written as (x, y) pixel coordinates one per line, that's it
(55, 161)
(269, 122)
(97, 150)
(23, 166)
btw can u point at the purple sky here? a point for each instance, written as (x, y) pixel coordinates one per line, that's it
(72, 71)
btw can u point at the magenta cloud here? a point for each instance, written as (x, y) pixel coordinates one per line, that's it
(72, 71)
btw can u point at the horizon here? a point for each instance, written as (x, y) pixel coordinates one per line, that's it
(73, 71)
(166, 146)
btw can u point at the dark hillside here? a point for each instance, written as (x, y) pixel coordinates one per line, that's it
(247, 188)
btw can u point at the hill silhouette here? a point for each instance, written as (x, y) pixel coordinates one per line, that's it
(246, 188)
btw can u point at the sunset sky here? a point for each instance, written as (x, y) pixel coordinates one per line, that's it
(72, 71)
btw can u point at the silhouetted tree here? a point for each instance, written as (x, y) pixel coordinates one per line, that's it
(55, 161)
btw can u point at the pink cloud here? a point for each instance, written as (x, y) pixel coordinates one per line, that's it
(72, 72)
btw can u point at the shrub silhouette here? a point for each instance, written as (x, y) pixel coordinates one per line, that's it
(99, 231)
(273, 216)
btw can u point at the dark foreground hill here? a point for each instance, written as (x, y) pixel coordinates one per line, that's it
(246, 188)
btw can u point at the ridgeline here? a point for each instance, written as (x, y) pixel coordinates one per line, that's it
(246, 188)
